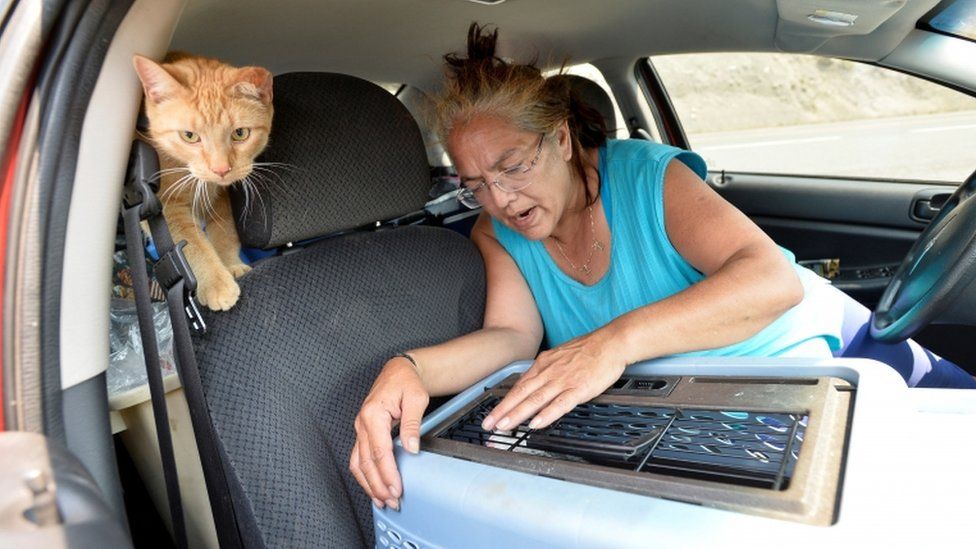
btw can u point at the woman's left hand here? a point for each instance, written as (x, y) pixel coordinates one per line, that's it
(560, 378)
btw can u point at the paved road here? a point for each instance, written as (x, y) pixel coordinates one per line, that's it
(938, 147)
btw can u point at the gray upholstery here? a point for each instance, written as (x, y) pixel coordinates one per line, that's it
(595, 96)
(370, 152)
(286, 369)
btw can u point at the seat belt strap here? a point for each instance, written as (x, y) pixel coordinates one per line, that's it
(137, 206)
(175, 277)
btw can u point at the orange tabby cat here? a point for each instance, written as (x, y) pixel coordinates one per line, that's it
(208, 121)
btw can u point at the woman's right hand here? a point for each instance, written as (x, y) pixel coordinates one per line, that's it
(397, 394)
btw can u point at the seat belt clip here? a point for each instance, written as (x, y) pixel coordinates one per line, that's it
(193, 314)
(140, 185)
(172, 268)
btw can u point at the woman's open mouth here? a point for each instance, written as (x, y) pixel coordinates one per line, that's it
(524, 219)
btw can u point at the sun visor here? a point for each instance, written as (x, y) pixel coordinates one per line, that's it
(805, 25)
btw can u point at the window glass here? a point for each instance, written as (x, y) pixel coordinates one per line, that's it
(957, 18)
(807, 115)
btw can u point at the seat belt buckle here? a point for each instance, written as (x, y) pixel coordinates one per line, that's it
(140, 183)
(172, 268)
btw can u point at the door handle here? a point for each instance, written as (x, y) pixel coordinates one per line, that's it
(928, 205)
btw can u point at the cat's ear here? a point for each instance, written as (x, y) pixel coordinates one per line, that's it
(158, 84)
(255, 83)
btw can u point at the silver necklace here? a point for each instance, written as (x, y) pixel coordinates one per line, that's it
(597, 246)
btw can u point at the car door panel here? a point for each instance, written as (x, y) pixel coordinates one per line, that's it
(48, 498)
(868, 255)
(868, 225)
(855, 201)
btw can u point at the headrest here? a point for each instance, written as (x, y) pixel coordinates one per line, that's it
(343, 153)
(595, 96)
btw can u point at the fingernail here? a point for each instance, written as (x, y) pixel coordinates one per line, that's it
(487, 425)
(395, 491)
(503, 424)
(393, 504)
(377, 503)
(413, 445)
(534, 423)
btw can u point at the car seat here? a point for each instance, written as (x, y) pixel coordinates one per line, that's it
(285, 370)
(595, 96)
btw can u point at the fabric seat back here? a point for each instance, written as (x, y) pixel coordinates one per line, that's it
(287, 368)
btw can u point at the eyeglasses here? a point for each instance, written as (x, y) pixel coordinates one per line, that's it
(511, 180)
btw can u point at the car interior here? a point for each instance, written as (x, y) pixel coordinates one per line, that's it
(359, 250)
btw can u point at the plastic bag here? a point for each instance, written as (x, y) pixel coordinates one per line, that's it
(127, 367)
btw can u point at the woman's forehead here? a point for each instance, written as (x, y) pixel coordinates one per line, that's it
(488, 138)
(484, 126)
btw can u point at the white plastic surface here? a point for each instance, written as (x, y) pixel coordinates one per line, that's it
(106, 138)
(942, 57)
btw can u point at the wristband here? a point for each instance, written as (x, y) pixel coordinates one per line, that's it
(412, 361)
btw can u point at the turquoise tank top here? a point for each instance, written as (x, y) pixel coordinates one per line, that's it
(644, 265)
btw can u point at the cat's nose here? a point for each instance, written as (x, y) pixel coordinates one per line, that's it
(220, 170)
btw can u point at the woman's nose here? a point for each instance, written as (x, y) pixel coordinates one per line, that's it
(500, 196)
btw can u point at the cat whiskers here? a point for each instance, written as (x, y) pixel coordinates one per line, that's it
(284, 165)
(248, 186)
(264, 172)
(167, 171)
(257, 179)
(273, 181)
(177, 186)
(204, 194)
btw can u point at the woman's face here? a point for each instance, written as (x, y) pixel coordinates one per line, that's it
(488, 149)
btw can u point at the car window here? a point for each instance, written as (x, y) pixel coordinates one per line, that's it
(957, 18)
(807, 115)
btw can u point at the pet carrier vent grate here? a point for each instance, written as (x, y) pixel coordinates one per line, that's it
(770, 446)
(735, 447)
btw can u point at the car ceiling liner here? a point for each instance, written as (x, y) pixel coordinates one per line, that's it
(805, 25)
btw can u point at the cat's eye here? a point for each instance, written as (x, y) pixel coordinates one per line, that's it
(189, 137)
(240, 134)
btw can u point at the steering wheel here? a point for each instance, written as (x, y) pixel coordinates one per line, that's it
(931, 281)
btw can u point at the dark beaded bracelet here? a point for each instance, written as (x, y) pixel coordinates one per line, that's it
(412, 361)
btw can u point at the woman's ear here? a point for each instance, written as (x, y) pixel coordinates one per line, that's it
(564, 141)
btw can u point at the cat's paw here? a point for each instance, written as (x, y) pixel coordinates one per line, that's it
(218, 293)
(238, 270)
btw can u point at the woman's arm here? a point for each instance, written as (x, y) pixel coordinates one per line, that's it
(748, 283)
(512, 330)
(512, 327)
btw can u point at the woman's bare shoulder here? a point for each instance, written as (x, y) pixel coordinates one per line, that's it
(483, 230)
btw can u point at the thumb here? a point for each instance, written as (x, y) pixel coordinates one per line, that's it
(413, 407)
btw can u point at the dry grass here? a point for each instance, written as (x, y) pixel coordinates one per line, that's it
(734, 91)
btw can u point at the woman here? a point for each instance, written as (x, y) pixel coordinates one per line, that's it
(611, 252)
